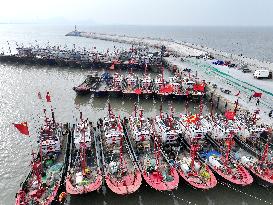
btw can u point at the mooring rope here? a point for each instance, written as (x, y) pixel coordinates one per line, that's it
(240, 191)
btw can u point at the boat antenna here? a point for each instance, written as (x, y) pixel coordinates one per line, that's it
(121, 154)
(201, 106)
(81, 116)
(265, 153)
(53, 116)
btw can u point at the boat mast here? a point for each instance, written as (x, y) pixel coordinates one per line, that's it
(83, 151)
(265, 154)
(145, 70)
(193, 151)
(53, 116)
(228, 142)
(141, 116)
(109, 110)
(135, 109)
(157, 156)
(162, 75)
(81, 116)
(171, 117)
(161, 111)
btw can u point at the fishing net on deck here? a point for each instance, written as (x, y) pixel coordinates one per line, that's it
(56, 168)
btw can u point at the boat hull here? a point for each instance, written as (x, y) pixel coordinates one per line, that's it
(156, 182)
(265, 181)
(23, 195)
(211, 183)
(82, 91)
(247, 178)
(128, 185)
(83, 189)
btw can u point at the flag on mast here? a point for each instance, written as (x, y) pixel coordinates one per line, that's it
(22, 127)
(230, 115)
(238, 93)
(257, 95)
(48, 98)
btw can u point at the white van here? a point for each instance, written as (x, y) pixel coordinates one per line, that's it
(262, 74)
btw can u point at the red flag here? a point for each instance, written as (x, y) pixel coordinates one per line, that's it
(22, 127)
(257, 95)
(238, 93)
(199, 87)
(48, 98)
(39, 96)
(169, 88)
(166, 89)
(230, 115)
(138, 91)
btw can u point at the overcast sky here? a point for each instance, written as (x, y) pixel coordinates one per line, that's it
(139, 12)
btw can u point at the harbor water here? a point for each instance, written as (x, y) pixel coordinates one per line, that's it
(19, 85)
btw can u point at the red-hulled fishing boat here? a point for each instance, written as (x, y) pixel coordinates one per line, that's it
(116, 85)
(121, 173)
(252, 149)
(84, 174)
(48, 167)
(216, 152)
(146, 85)
(156, 170)
(189, 166)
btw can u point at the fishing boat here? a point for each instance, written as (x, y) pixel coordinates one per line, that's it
(115, 88)
(129, 85)
(177, 89)
(146, 140)
(122, 175)
(84, 174)
(146, 84)
(167, 127)
(253, 150)
(48, 168)
(216, 148)
(91, 83)
(189, 166)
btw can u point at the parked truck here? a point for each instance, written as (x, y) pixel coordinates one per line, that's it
(262, 74)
